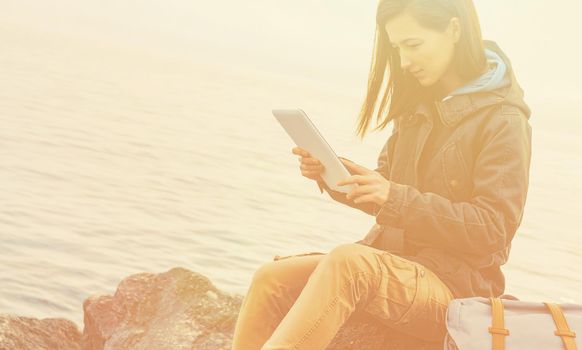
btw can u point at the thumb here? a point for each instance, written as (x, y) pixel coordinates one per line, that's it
(353, 167)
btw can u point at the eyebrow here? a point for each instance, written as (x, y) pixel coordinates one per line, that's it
(405, 40)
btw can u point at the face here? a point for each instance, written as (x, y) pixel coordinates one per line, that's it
(424, 53)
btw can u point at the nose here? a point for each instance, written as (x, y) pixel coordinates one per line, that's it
(404, 62)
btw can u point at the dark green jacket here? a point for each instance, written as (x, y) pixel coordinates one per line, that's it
(454, 206)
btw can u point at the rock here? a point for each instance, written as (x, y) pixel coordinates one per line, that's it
(25, 333)
(180, 309)
(362, 332)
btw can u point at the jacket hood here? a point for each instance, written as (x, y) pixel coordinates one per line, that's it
(497, 86)
(494, 78)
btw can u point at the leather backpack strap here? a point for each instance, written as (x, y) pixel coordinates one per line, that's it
(497, 329)
(563, 331)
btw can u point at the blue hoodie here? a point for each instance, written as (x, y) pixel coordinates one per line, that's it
(493, 79)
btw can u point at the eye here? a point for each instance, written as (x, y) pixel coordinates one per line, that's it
(416, 45)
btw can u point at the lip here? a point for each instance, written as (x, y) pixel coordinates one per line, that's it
(417, 73)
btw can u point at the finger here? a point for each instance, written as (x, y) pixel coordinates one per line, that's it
(299, 151)
(360, 191)
(311, 161)
(356, 179)
(365, 198)
(311, 167)
(346, 161)
(350, 166)
(347, 181)
(358, 169)
(355, 167)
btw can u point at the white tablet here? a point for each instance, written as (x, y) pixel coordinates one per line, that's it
(306, 136)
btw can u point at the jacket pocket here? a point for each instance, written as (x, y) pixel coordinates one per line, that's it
(456, 176)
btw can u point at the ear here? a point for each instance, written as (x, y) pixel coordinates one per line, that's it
(455, 29)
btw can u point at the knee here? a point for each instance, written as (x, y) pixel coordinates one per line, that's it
(348, 253)
(265, 274)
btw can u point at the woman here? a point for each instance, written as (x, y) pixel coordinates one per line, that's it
(448, 193)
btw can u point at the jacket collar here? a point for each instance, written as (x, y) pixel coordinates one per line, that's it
(456, 108)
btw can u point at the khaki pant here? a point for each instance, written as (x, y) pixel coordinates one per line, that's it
(301, 301)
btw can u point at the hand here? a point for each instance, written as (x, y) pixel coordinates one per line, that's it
(371, 186)
(310, 167)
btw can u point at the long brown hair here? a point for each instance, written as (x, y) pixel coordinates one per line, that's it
(403, 91)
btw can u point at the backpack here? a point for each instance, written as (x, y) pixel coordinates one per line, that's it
(479, 323)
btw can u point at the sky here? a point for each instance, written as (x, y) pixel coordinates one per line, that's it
(333, 39)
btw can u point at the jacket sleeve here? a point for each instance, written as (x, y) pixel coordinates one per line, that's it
(488, 221)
